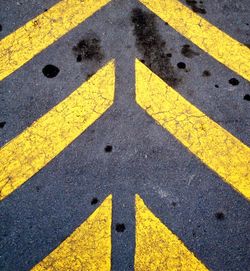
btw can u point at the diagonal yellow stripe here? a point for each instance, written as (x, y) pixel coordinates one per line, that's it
(29, 152)
(157, 248)
(209, 38)
(88, 248)
(217, 148)
(36, 35)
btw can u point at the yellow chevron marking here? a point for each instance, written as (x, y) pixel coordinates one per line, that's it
(209, 38)
(213, 145)
(36, 35)
(157, 248)
(36, 146)
(88, 248)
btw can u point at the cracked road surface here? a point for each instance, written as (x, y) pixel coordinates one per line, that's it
(124, 135)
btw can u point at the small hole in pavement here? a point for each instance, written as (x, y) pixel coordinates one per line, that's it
(94, 201)
(169, 55)
(50, 71)
(120, 227)
(234, 81)
(2, 124)
(216, 86)
(1, 28)
(181, 65)
(108, 148)
(220, 215)
(247, 97)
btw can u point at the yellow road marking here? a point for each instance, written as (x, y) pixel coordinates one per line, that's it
(157, 248)
(216, 147)
(88, 248)
(209, 38)
(29, 152)
(36, 35)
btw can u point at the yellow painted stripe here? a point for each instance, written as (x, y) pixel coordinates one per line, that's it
(29, 152)
(88, 248)
(209, 38)
(36, 35)
(216, 147)
(157, 248)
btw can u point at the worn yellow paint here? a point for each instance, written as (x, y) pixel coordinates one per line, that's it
(216, 147)
(209, 38)
(36, 35)
(36, 146)
(88, 248)
(159, 249)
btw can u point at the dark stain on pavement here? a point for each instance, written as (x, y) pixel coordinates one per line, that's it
(188, 52)
(2, 124)
(152, 47)
(247, 97)
(220, 216)
(120, 227)
(94, 201)
(108, 148)
(181, 65)
(196, 6)
(88, 49)
(206, 73)
(234, 82)
(50, 71)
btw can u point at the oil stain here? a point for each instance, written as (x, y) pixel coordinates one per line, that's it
(94, 201)
(120, 227)
(220, 216)
(152, 46)
(88, 49)
(206, 73)
(188, 52)
(196, 7)
(2, 124)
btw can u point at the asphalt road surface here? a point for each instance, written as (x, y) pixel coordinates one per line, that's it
(165, 116)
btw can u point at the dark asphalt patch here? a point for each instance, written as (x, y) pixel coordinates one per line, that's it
(120, 227)
(188, 52)
(247, 97)
(94, 201)
(50, 71)
(197, 6)
(88, 49)
(234, 82)
(181, 65)
(108, 148)
(152, 46)
(220, 216)
(2, 124)
(206, 73)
